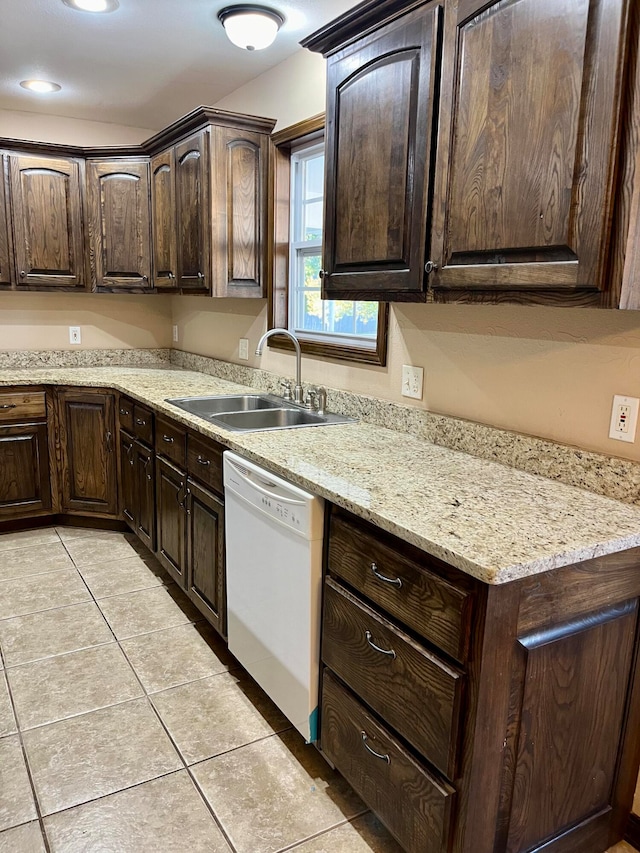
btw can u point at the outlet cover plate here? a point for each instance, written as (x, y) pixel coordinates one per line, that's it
(175, 334)
(624, 418)
(412, 379)
(75, 335)
(243, 349)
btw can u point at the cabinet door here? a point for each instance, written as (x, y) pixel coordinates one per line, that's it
(24, 470)
(163, 221)
(47, 222)
(526, 150)
(88, 458)
(146, 487)
(194, 220)
(5, 257)
(380, 102)
(128, 496)
(238, 192)
(171, 495)
(119, 224)
(205, 548)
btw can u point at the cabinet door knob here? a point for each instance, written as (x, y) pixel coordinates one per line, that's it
(200, 276)
(145, 278)
(430, 266)
(324, 274)
(171, 275)
(23, 274)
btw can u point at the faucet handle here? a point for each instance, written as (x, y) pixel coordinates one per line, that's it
(321, 400)
(310, 399)
(287, 393)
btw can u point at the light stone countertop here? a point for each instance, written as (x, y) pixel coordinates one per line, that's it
(491, 521)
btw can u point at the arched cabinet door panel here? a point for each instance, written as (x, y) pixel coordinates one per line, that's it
(163, 221)
(119, 224)
(46, 208)
(192, 206)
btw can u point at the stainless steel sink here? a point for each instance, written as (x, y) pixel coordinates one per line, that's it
(205, 407)
(254, 412)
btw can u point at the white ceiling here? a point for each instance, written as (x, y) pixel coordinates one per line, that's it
(145, 64)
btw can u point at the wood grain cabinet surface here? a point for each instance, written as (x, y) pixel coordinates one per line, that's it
(192, 213)
(6, 274)
(119, 224)
(530, 744)
(47, 217)
(164, 241)
(472, 148)
(25, 488)
(87, 447)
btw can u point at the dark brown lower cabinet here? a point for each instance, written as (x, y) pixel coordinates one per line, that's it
(171, 519)
(205, 554)
(138, 488)
(530, 743)
(24, 470)
(128, 497)
(88, 459)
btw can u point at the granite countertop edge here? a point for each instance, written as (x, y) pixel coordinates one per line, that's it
(495, 523)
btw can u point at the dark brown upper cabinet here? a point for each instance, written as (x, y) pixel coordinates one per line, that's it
(472, 148)
(46, 212)
(192, 206)
(380, 106)
(119, 224)
(5, 219)
(163, 221)
(239, 206)
(526, 151)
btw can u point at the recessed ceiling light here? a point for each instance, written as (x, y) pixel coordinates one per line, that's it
(92, 5)
(41, 86)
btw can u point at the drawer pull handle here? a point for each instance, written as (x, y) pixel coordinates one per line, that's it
(202, 461)
(389, 652)
(395, 581)
(141, 422)
(8, 406)
(379, 755)
(146, 462)
(168, 438)
(124, 411)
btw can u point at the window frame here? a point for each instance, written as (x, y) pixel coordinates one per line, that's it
(283, 143)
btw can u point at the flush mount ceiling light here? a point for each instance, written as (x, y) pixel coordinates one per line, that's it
(42, 87)
(250, 27)
(92, 5)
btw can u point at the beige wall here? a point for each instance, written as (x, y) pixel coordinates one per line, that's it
(40, 321)
(17, 124)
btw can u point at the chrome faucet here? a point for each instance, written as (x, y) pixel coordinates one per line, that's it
(298, 394)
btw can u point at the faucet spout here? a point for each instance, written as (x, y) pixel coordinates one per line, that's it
(298, 394)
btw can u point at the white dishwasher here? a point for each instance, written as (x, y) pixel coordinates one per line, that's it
(273, 535)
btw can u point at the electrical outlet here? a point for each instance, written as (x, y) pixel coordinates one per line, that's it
(75, 336)
(175, 334)
(624, 418)
(243, 348)
(412, 378)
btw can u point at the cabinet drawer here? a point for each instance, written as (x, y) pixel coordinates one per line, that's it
(143, 424)
(415, 692)
(125, 414)
(425, 602)
(413, 803)
(171, 441)
(20, 406)
(204, 462)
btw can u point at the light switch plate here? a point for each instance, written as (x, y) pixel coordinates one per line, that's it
(412, 379)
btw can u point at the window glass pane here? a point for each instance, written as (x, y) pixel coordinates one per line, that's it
(314, 177)
(337, 320)
(312, 229)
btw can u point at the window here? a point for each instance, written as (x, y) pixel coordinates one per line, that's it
(348, 330)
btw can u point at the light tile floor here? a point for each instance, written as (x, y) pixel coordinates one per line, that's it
(127, 727)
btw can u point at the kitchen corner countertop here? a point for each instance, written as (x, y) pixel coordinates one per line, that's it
(493, 522)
